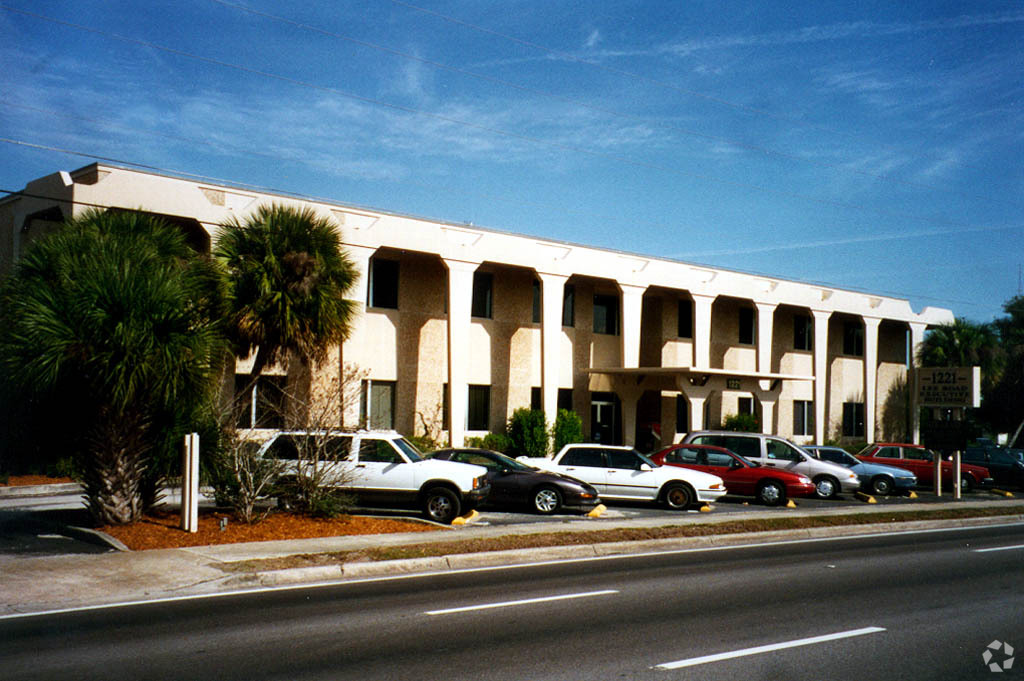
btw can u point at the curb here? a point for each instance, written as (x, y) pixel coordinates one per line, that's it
(467, 561)
(20, 491)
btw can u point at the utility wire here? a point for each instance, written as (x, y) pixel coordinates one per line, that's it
(637, 76)
(600, 109)
(496, 131)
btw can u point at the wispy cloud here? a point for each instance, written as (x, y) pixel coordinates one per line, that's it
(593, 39)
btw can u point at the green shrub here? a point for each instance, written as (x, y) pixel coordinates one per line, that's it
(424, 443)
(527, 433)
(497, 442)
(744, 423)
(568, 428)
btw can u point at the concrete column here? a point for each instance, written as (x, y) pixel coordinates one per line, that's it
(917, 330)
(765, 329)
(460, 304)
(870, 375)
(552, 289)
(629, 394)
(702, 330)
(767, 415)
(696, 411)
(821, 383)
(632, 307)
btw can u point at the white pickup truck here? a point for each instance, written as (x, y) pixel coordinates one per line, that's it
(625, 474)
(383, 469)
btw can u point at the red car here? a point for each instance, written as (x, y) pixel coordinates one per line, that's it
(919, 460)
(771, 486)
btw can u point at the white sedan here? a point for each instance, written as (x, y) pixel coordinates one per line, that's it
(622, 473)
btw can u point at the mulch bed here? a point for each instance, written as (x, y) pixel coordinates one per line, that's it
(161, 529)
(23, 480)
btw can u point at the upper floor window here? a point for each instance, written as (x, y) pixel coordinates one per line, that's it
(383, 284)
(569, 305)
(853, 339)
(483, 295)
(746, 323)
(685, 324)
(803, 332)
(606, 315)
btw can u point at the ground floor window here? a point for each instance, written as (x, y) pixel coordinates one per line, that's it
(565, 399)
(377, 405)
(682, 414)
(803, 417)
(745, 405)
(478, 413)
(260, 404)
(853, 419)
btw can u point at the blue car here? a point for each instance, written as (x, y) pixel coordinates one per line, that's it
(874, 478)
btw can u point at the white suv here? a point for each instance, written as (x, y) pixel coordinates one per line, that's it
(383, 469)
(776, 452)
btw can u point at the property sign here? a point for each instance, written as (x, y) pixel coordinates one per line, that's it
(949, 386)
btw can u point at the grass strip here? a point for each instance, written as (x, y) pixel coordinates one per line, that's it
(546, 539)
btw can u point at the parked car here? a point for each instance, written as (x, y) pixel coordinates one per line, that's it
(771, 486)
(920, 461)
(874, 478)
(772, 451)
(517, 485)
(1004, 465)
(624, 474)
(383, 469)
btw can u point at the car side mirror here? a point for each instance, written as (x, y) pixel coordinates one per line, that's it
(734, 465)
(646, 467)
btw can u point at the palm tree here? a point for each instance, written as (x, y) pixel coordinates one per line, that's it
(963, 344)
(287, 275)
(115, 319)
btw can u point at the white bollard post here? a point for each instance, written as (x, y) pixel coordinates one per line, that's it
(190, 484)
(957, 492)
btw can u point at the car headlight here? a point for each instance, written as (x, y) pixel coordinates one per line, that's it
(805, 480)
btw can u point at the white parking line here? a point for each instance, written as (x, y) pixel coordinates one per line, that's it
(765, 649)
(1000, 548)
(526, 601)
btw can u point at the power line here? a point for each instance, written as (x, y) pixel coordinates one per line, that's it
(592, 107)
(636, 76)
(496, 131)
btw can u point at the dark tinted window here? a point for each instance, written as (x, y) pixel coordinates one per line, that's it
(685, 325)
(378, 451)
(623, 459)
(283, 447)
(720, 459)
(483, 295)
(746, 324)
(383, 284)
(888, 452)
(682, 456)
(779, 450)
(583, 457)
(749, 447)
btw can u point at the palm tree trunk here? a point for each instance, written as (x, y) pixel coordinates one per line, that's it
(114, 467)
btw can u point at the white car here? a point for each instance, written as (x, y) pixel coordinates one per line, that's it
(622, 473)
(383, 469)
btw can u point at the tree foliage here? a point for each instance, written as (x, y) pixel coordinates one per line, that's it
(288, 275)
(115, 320)
(527, 433)
(567, 429)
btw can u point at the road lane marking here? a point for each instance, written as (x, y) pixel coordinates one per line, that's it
(1000, 548)
(525, 601)
(769, 648)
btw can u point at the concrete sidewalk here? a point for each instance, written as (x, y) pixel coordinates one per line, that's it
(42, 584)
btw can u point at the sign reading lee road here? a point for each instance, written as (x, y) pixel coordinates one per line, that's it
(949, 387)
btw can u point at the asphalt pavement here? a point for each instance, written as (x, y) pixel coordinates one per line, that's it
(61, 577)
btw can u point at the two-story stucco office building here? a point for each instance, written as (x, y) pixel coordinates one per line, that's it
(473, 323)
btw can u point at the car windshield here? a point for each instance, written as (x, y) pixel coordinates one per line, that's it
(409, 449)
(510, 463)
(646, 459)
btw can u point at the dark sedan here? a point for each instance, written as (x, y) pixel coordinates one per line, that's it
(516, 485)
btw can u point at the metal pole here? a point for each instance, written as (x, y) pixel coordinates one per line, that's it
(190, 484)
(956, 475)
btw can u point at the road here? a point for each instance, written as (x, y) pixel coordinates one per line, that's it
(905, 606)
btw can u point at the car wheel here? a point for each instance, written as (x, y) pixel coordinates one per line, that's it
(440, 505)
(546, 500)
(826, 487)
(677, 496)
(771, 493)
(882, 486)
(966, 482)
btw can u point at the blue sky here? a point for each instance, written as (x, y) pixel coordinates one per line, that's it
(867, 145)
